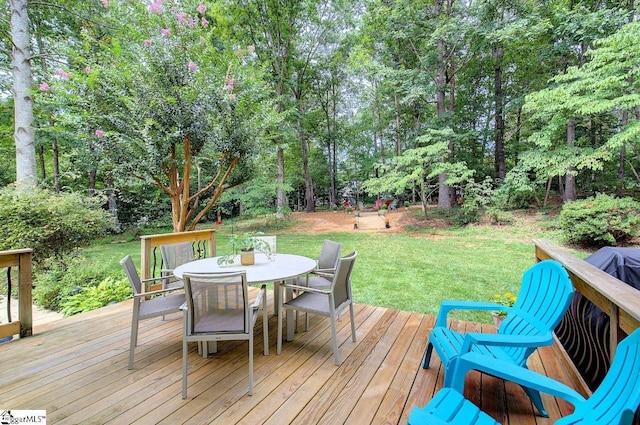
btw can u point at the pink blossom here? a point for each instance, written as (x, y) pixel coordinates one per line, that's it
(182, 17)
(204, 22)
(230, 83)
(192, 66)
(99, 133)
(201, 8)
(251, 48)
(232, 96)
(44, 86)
(105, 2)
(156, 6)
(62, 74)
(166, 31)
(192, 22)
(147, 42)
(87, 69)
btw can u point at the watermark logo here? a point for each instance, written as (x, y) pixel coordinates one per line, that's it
(10, 417)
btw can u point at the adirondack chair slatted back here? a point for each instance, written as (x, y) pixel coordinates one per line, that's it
(544, 297)
(618, 396)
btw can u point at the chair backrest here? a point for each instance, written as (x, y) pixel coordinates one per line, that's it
(176, 254)
(618, 396)
(329, 254)
(132, 274)
(341, 284)
(544, 297)
(217, 302)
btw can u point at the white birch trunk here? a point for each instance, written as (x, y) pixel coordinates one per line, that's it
(24, 134)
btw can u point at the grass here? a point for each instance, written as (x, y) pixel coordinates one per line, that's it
(407, 271)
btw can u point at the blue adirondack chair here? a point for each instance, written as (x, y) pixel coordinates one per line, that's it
(613, 403)
(543, 299)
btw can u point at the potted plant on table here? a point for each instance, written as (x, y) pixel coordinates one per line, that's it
(508, 300)
(247, 243)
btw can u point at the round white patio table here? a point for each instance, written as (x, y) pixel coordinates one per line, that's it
(282, 267)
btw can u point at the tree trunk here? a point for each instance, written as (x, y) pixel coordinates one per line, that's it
(111, 199)
(282, 197)
(500, 166)
(570, 178)
(24, 134)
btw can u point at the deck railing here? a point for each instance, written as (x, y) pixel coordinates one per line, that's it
(20, 258)
(618, 300)
(203, 240)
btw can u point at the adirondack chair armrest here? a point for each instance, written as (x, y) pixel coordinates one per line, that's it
(511, 372)
(502, 340)
(448, 305)
(420, 416)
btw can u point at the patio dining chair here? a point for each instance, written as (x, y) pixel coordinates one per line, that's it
(613, 403)
(543, 299)
(147, 305)
(329, 302)
(217, 308)
(174, 255)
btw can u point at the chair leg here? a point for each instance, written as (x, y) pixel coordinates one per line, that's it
(134, 341)
(536, 399)
(251, 363)
(279, 340)
(427, 355)
(334, 334)
(265, 324)
(184, 367)
(353, 324)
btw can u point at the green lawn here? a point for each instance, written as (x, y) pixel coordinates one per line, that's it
(410, 271)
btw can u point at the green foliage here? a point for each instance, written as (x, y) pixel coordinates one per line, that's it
(51, 224)
(498, 216)
(91, 297)
(600, 220)
(58, 279)
(477, 197)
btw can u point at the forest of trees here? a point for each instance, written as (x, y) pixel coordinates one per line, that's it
(183, 107)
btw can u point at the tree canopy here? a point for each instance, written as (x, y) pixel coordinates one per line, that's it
(294, 104)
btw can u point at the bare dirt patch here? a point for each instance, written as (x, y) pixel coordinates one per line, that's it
(340, 221)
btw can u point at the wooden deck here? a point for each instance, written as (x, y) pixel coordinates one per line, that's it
(76, 370)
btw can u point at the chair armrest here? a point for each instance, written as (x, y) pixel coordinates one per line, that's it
(473, 338)
(259, 298)
(448, 305)
(304, 288)
(419, 416)
(324, 272)
(511, 372)
(159, 291)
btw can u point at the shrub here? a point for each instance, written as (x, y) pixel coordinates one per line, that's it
(57, 280)
(92, 297)
(52, 224)
(497, 216)
(600, 220)
(477, 197)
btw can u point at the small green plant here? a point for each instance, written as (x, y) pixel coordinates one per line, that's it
(600, 220)
(406, 204)
(249, 241)
(507, 299)
(89, 298)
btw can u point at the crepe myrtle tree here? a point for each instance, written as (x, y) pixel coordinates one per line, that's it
(156, 96)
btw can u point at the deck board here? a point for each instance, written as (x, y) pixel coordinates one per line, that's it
(76, 369)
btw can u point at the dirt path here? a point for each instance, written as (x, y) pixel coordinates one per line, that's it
(328, 221)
